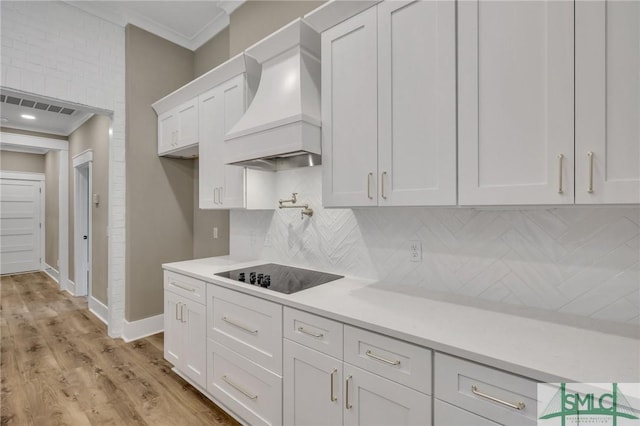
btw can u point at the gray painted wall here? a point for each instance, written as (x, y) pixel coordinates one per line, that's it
(21, 162)
(159, 218)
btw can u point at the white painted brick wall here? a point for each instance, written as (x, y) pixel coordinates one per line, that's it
(577, 260)
(52, 49)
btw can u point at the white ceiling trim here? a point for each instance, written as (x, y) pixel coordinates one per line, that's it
(14, 141)
(117, 16)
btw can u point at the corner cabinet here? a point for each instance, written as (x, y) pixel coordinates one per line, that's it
(178, 131)
(607, 102)
(388, 107)
(515, 94)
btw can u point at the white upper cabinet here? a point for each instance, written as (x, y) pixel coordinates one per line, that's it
(221, 186)
(349, 112)
(516, 106)
(178, 130)
(607, 102)
(388, 107)
(416, 103)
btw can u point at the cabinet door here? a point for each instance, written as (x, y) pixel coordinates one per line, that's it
(607, 102)
(416, 103)
(515, 91)
(195, 342)
(210, 170)
(447, 415)
(233, 99)
(372, 400)
(350, 112)
(188, 123)
(167, 131)
(172, 329)
(312, 383)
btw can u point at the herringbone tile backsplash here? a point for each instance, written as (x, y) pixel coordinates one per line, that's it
(575, 260)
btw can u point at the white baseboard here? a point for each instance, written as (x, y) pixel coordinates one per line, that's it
(142, 328)
(52, 272)
(99, 309)
(71, 288)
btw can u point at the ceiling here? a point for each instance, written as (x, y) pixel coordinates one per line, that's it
(50, 116)
(187, 23)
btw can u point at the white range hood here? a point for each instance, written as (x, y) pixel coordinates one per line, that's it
(281, 127)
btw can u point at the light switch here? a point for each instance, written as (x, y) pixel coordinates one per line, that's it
(96, 199)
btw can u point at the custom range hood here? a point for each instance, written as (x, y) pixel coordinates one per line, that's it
(281, 127)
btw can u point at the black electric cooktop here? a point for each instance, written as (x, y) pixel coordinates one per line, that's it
(280, 278)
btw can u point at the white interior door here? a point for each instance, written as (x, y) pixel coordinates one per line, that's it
(20, 225)
(82, 218)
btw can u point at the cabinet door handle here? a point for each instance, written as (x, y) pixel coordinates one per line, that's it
(590, 158)
(240, 389)
(240, 326)
(192, 290)
(518, 406)
(384, 175)
(331, 394)
(220, 195)
(369, 176)
(177, 305)
(379, 358)
(560, 158)
(182, 305)
(215, 193)
(347, 404)
(317, 335)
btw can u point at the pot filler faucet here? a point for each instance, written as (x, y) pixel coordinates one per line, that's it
(306, 210)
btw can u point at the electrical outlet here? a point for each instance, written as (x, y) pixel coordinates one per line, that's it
(267, 240)
(415, 251)
(215, 232)
(252, 238)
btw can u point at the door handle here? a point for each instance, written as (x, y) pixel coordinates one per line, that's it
(84, 237)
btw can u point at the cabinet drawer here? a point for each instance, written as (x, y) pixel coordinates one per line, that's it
(316, 332)
(388, 357)
(499, 396)
(185, 286)
(448, 415)
(246, 324)
(250, 391)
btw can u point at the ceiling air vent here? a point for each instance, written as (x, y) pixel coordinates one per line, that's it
(27, 103)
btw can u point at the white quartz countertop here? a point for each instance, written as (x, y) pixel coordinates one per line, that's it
(541, 350)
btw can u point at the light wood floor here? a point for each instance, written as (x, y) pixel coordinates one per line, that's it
(59, 367)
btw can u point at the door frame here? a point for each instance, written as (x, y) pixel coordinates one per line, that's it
(39, 177)
(82, 200)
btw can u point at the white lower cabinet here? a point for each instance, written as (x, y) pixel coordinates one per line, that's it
(270, 365)
(185, 336)
(320, 389)
(448, 415)
(249, 390)
(312, 382)
(501, 397)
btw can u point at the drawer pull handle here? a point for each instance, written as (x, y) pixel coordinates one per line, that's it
(519, 406)
(347, 404)
(379, 358)
(192, 290)
(317, 335)
(331, 394)
(240, 389)
(369, 176)
(240, 326)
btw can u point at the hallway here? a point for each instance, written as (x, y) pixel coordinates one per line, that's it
(59, 366)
